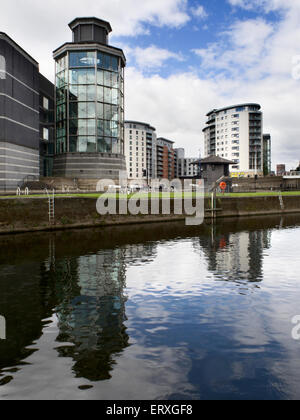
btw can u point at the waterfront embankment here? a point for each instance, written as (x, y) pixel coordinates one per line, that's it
(31, 214)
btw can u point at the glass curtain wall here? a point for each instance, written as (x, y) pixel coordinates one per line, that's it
(90, 103)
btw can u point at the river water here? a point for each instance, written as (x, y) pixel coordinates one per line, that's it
(160, 311)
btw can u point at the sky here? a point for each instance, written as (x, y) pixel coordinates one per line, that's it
(185, 58)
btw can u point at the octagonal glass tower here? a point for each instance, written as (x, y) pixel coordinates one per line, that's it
(89, 103)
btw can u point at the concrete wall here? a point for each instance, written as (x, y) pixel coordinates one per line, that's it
(32, 214)
(89, 166)
(16, 163)
(264, 184)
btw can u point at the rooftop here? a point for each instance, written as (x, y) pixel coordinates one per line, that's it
(140, 123)
(90, 21)
(8, 39)
(233, 106)
(166, 140)
(214, 160)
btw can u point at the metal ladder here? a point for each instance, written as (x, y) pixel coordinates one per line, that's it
(281, 201)
(51, 205)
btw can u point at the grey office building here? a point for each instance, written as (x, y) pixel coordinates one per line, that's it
(20, 115)
(89, 104)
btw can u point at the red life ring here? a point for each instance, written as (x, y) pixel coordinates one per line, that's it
(223, 186)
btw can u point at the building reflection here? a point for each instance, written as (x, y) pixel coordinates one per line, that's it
(138, 254)
(91, 307)
(91, 311)
(235, 256)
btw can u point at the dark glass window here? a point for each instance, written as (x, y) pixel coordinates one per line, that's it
(114, 64)
(73, 144)
(82, 59)
(104, 145)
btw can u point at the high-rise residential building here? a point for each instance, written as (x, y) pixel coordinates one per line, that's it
(236, 133)
(25, 129)
(267, 154)
(89, 104)
(165, 159)
(140, 150)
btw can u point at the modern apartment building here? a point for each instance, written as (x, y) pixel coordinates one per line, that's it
(185, 167)
(89, 104)
(23, 128)
(236, 133)
(140, 150)
(165, 159)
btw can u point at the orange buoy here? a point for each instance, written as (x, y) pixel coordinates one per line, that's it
(223, 186)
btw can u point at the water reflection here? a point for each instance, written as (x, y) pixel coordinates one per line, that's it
(142, 304)
(235, 256)
(91, 311)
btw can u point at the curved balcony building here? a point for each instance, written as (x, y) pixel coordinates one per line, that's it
(236, 133)
(89, 104)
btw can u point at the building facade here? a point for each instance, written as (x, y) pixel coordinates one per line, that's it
(165, 159)
(267, 154)
(212, 169)
(280, 170)
(47, 129)
(140, 150)
(21, 119)
(89, 104)
(186, 169)
(236, 133)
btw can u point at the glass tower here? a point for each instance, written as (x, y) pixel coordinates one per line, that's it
(89, 92)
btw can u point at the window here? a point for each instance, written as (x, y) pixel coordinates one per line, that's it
(45, 134)
(45, 103)
(82, 59)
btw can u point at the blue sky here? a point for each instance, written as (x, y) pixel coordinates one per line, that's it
(200, 31)
(186, 57)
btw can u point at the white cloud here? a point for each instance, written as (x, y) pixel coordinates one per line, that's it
(200, 12)
(40, 27)
(265, 5)
(152, 57)
(242, 47)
